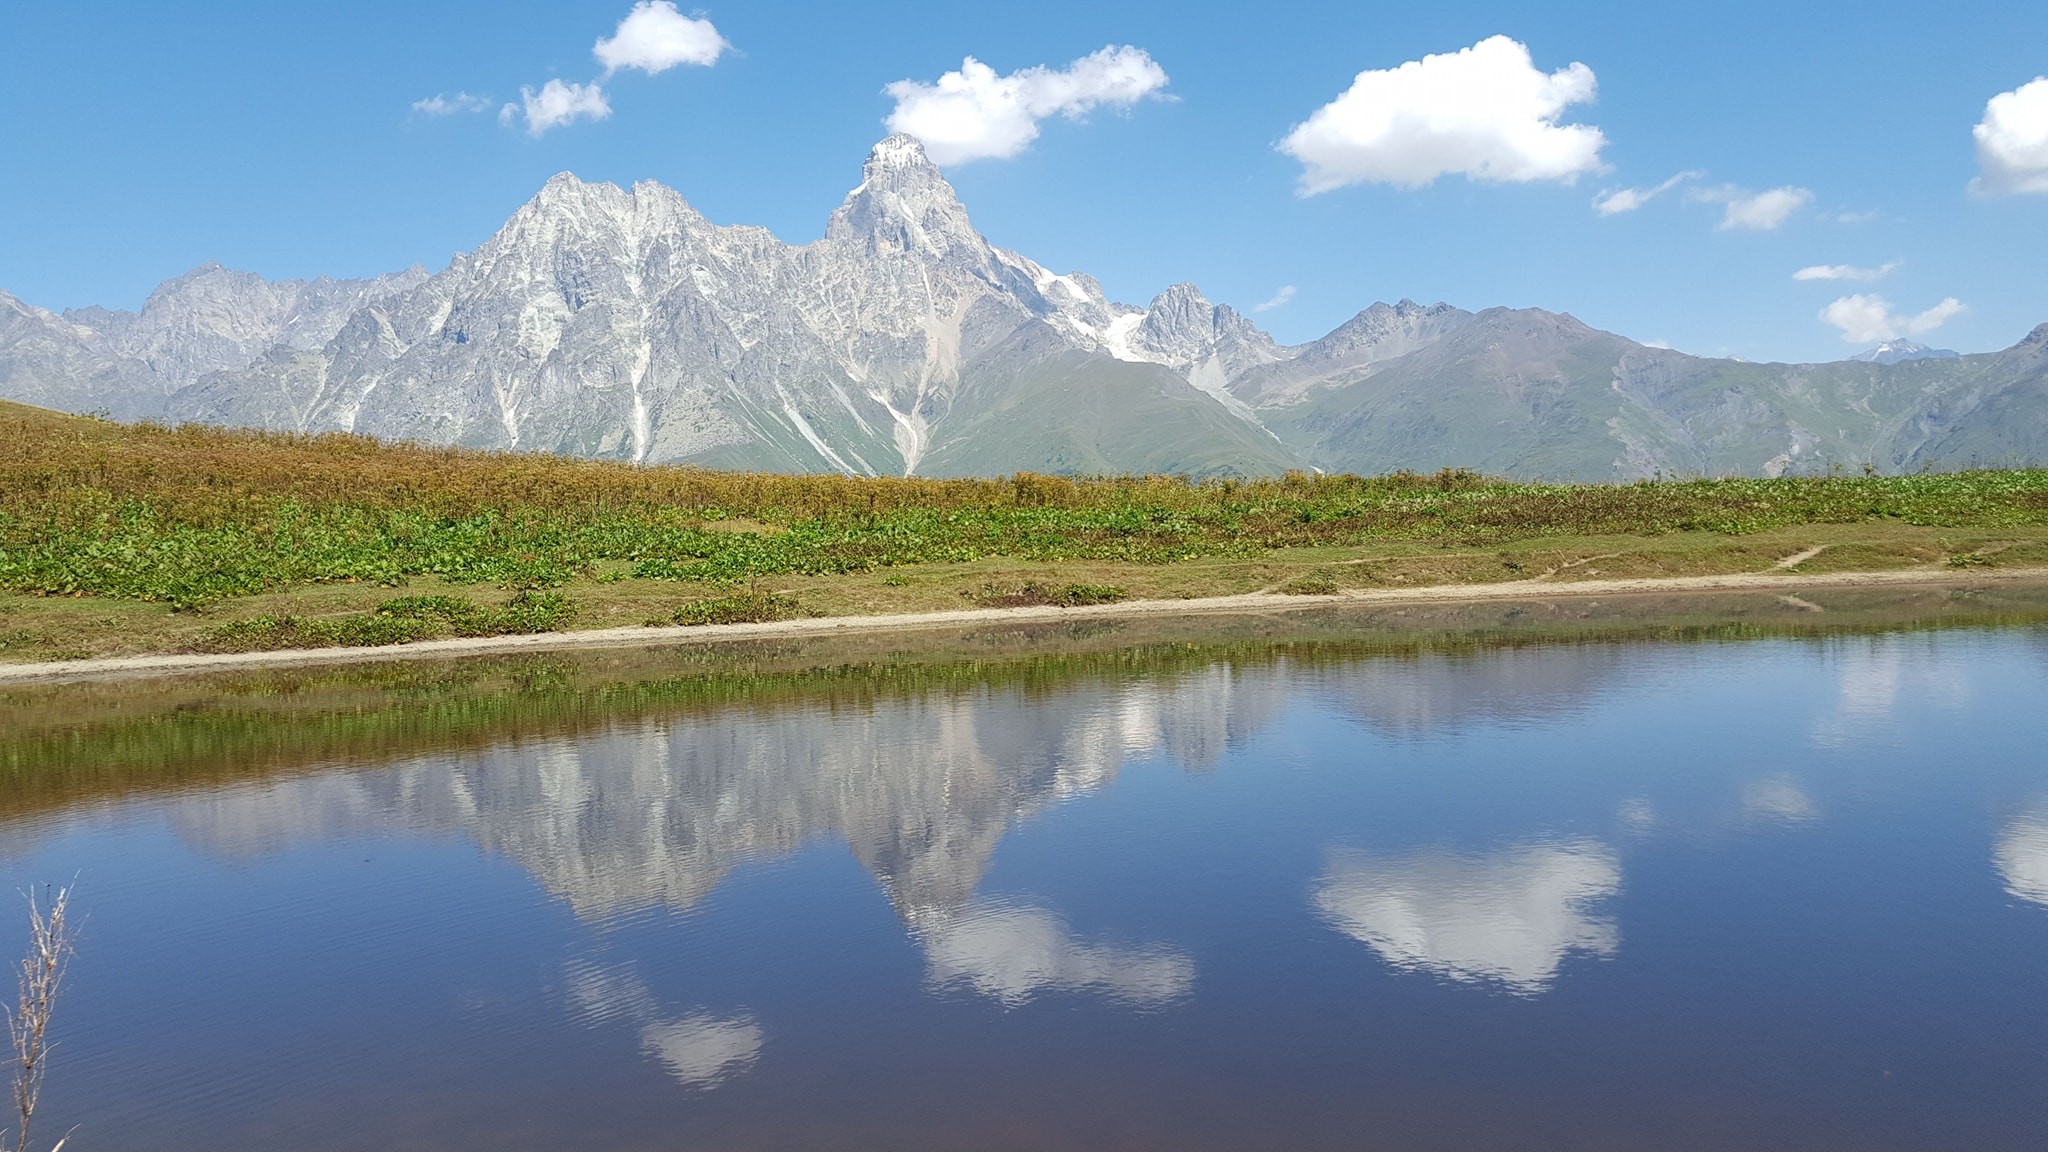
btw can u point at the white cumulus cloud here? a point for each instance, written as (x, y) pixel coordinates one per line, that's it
(556, 104)
(450, 103)
(1867, 319)
(654, 38)
(1845, 272)
(1618, 200)
(1485, 112)
(2012, 141)
(1743, 210)
(1279, 299)
(976, 114)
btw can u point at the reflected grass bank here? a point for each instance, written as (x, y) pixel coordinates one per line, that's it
(72, 743)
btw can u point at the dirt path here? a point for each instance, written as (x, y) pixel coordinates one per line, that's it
(1798, 558)
(1777, 579)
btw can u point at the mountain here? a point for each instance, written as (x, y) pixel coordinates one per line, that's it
(128, 364)
(621, 323)
(1899, 351)
(1528, 393)
(50, 361)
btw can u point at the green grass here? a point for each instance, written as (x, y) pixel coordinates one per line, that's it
(255, 540)
(191, 517)
(397, 621)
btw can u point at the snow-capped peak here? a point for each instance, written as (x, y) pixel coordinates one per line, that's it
(1900, 351)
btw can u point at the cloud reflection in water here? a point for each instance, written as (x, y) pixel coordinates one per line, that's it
(1011, 953)
(701, 1050)
(1508, 918)
(2021, 855)
(1778, 799)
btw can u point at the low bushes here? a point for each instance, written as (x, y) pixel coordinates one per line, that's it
(1034, 594)
(738, 608)
(397, 621)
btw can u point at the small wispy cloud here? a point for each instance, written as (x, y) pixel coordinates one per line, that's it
(1845, 216)
(1846, 271)
(1279, 299)
(1747, 211)
(653, 38)
(1615, 201)
(450, 104)
(1868, 319)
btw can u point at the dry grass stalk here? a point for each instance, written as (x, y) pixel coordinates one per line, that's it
(28, 1024)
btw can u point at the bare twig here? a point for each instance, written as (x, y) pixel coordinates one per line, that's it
(28, 1024)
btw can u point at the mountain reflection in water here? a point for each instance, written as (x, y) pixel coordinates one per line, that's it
(1787, 894)
(921, 789)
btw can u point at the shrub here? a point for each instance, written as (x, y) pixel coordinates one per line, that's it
(1034, 594)
(739, 608)
(399, 621)
(1312, 585)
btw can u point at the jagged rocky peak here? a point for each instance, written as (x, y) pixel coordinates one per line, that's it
(588, 231)
(904, 204)
(1179, 316)
(1183, 325)
(566, 189)
(565, 197)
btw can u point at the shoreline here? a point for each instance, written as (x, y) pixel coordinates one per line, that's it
(1248, 603)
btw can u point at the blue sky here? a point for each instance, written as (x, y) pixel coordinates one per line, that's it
(145, 139)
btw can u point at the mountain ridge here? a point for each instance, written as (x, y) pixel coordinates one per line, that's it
(622, 323)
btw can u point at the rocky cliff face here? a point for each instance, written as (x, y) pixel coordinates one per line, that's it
(620, 323)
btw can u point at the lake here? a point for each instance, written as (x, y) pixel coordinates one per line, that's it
(1747, 872)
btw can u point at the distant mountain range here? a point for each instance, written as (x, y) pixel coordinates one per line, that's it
(1900, 351)
(617, 323)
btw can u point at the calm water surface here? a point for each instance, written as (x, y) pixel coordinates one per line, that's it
(1787, 892)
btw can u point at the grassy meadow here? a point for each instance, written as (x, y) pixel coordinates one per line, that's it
(138, 538)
